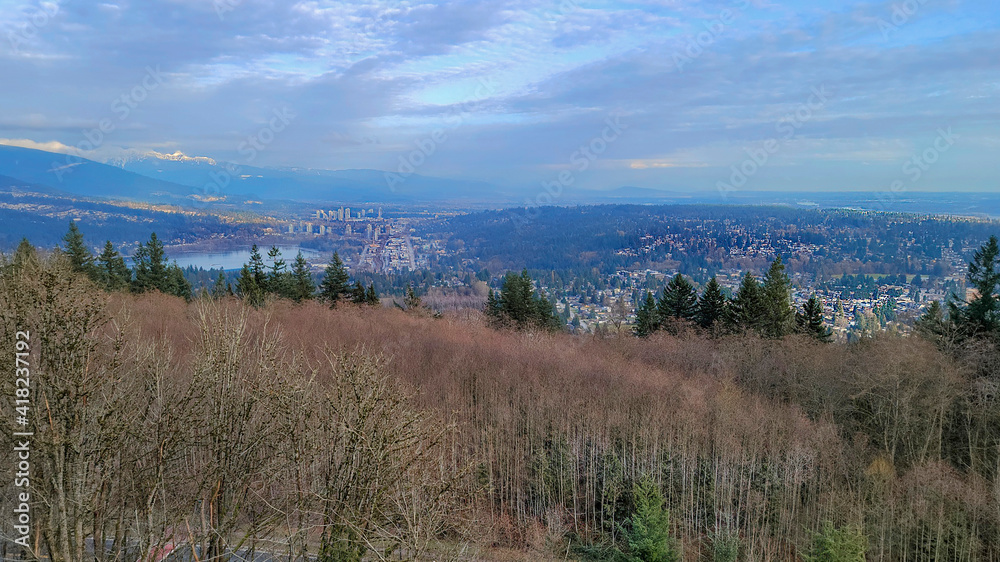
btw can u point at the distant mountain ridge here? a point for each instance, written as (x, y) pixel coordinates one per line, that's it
(179, 177)
(82, 177)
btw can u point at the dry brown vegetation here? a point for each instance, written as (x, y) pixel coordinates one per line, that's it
(296, 428)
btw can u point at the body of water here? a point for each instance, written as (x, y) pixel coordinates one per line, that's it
(236, 258)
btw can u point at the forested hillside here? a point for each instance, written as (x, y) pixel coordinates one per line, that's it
(213, 427)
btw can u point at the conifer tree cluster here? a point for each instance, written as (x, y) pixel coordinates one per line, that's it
(974, 319)
(257, 281)
(151, 272)
(520, 306)
(761, 307)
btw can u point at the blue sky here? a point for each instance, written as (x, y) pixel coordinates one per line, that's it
(703, 96)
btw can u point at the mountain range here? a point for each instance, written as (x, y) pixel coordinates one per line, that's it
(178, 179)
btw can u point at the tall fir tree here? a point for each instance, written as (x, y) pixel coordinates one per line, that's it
(112, 273)
(334, 286)
(302, 287)
(679, 301)
(711, 305)
(746, 308)
(358, 293)
(80, 258)
(779, 317)
(411, 301)
(153, 273)
(519, 306)
(221, 288)
(279, 279)
(810, 320)
(371, 296)
(249, 289)
(646, 321)
(980, 316)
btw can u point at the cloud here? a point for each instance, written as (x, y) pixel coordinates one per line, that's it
(50, 146)
(371, 78)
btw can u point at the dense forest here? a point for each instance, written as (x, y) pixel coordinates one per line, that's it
(216, 429)
(705, 239)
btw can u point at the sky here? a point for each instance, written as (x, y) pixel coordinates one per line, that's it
(688, 96)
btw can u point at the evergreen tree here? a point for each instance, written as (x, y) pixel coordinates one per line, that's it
(779, 317)
(152, 273)
(79, 255)
(112, 273)
(647, 531)
(932, 323)
(411, 301)
(810, 320)
(334, 287)
(221, 287)
(712, 305)
(545, 313)
(176, 283)
(518, 305)
(358, 294)
(746, 308)
(492, 306)
(981, 315)
(646, 317)
(302, 286)
(279, 279)
(371, 296)
(678, 302)
(248, 289)
(257, 268)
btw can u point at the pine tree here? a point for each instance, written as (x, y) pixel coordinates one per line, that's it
(257, 268)
(279, 279)
(248, 289)
(371, 296)
(152, 273)
(646, 317)
(746, 308)
(79, 255)
(112, 273)
(302, 286)
(411, 301)
(545, 313)
(176, 284)
(492, 310)
(518, 305)
(981, 315)
(358, 294)
(648, 529)
(221, 287)
(712, 305)
(779, 317)
(810, 320)
(333, 288)
(678, 302)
